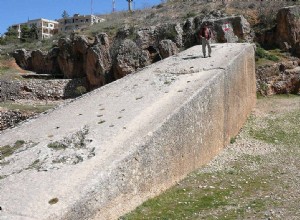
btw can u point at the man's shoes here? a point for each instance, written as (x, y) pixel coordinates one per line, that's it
(209, 55)
(204, 56)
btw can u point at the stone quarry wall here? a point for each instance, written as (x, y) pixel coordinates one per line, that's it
(182, 112)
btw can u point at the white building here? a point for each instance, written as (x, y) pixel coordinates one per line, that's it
(77, 22)
(45, 28)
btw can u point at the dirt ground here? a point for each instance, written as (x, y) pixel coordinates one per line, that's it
(255, 177)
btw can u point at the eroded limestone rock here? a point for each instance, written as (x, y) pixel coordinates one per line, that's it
(286, 34)
(98, 62)
(280, 78)
(167, 48)
(288, 29)
(129, 58)
(23, 59)
(72, 56)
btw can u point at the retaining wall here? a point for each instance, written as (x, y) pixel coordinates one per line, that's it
(42, 89)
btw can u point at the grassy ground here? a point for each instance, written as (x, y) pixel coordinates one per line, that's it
(256, 177)
(6, 151)
(269, 57)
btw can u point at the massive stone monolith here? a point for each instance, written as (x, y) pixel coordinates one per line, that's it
(103, 154)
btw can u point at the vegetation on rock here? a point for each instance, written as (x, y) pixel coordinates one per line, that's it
(7, 150)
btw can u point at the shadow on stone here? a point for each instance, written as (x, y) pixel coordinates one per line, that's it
(75, 87)
(192, 57)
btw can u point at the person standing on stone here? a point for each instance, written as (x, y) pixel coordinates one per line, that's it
(205, 35)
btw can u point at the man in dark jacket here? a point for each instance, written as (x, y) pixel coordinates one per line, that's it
(205, 35)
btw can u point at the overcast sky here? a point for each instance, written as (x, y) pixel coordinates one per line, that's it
(18, 11)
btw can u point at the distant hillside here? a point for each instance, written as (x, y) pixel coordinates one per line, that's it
(260, 15)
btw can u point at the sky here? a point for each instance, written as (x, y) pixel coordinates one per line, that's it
(19, 11)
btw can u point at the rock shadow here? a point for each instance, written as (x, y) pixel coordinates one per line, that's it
(192, 57)
(76, 87)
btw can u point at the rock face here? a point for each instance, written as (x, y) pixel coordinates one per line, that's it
(98, 62)
(38, 61)
(280, 78)
(190, 30)
(238, 29)
(150, 40)
(72, 56)
(167, 48)
(151, 36)
(23, 59)
(170, 31)
(288, 29)
(45, 63)
(101, 61)
(286, 34)
(146, 37)
(129, 58)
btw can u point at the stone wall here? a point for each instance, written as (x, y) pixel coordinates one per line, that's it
(40, 89)
(10, 118)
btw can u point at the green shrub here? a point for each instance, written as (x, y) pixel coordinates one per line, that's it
(19, 143)
(57, 145)
(190, 15)
(272, 58)
(232, 140)
(260, 53)
(80, 90)
(7, 150)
